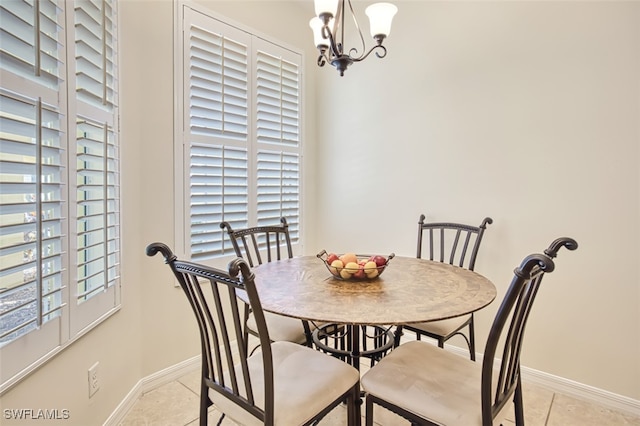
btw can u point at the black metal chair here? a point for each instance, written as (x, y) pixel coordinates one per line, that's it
(282, 383)
(429, 386)
(456, 244)
(265, 244)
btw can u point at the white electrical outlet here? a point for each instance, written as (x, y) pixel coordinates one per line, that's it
(94, 379)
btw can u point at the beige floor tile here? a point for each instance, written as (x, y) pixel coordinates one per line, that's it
(566, 411)
(537, 402)
(192, 381)
(171, 404)
(176, 404)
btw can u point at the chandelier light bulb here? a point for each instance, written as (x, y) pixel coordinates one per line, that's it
(316, 26)
(324, 7)
(380, 17)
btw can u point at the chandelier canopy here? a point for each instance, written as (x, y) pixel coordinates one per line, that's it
(328, 31)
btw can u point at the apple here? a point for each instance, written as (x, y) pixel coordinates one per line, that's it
(331, 257)
(360, 274)
(380, 260)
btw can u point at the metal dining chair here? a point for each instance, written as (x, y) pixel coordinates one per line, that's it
(282, 383)
(260, 244)
(429, 386)
(456, 244)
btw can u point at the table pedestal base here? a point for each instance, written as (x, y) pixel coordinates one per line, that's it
(350, 343)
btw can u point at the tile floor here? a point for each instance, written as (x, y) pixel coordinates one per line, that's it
(176, 404)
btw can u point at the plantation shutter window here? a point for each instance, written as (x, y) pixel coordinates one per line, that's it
(239, 147)
(59, 177)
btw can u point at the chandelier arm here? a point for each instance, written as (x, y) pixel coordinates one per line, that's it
(353, 50)
(379, 55)
(322, 59)
(334, 48)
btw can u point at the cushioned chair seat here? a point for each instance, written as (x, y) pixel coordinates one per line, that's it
(297, 398)
(437, 385)
(281, 328)
(442, 327)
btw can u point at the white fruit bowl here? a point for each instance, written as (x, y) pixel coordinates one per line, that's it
(354, 267)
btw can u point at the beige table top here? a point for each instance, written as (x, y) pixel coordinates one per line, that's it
(410, 290)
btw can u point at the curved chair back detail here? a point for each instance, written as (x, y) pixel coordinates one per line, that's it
(252, 244)
(515, 308)
(221, 334)
(454, 243)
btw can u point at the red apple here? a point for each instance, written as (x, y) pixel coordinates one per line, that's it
(360, 274)
(331, 257)
(380, 260)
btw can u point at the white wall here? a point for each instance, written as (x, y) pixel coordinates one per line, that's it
(456, 123)
(527, 112)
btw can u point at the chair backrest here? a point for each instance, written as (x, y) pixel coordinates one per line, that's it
(498, 389)
(260, 243)
(224, 358)
(454, 243)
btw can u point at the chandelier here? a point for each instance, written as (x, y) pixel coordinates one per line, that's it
(328, 32)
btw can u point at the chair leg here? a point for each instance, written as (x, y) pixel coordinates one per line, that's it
(204, 403)
(518, 405)
(369, 411)
(472, 340)
(353, 406)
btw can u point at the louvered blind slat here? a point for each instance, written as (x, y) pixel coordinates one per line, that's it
(95, 66)
(97, 208)
(217, 84)
(278, 189)
(219, 192)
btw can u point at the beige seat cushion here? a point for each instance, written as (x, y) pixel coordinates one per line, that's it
(281, 328)
(443, 327)
(437, 385)
(305, 382)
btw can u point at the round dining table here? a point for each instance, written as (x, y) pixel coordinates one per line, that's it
(410, 290)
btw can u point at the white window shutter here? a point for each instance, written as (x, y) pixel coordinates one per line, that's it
(278, 100)
(96, 164)
(59, 177)
(278, 137)
(219, 192)
(95, 53)
(31, 147)
(241, 133)
(97, 209)
(217, 100)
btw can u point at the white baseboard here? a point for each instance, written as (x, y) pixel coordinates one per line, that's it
(581, 391)
(150, 383)
(569, 387)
